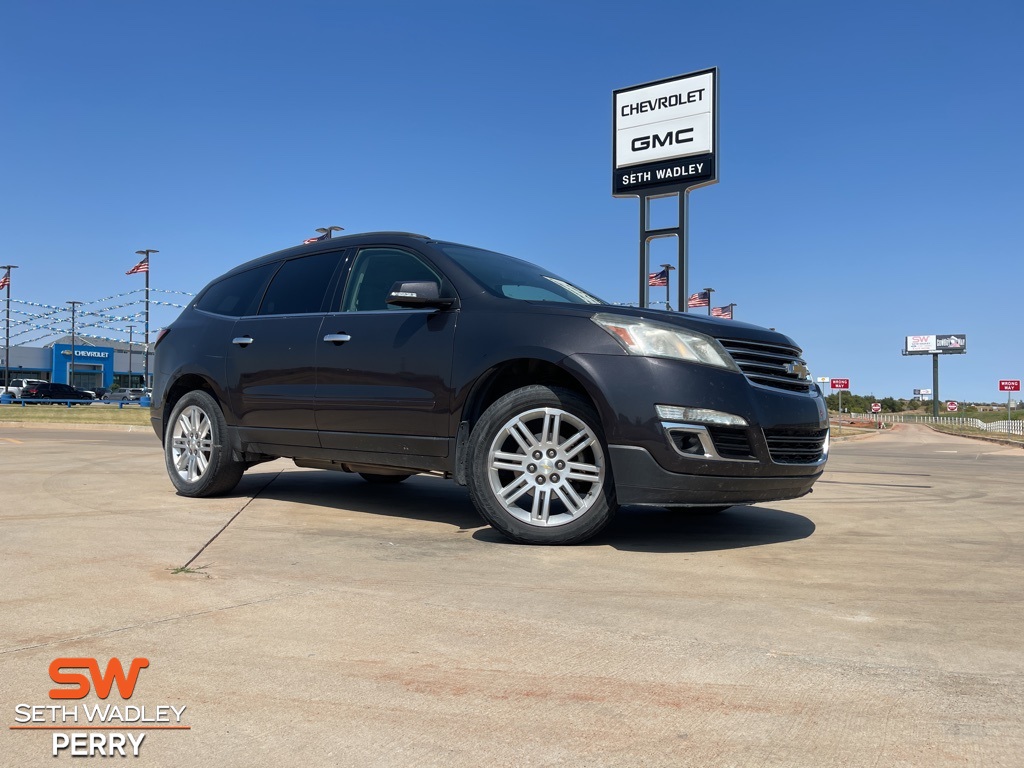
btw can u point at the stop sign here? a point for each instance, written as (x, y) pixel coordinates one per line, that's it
(876, 407)
(952, 405)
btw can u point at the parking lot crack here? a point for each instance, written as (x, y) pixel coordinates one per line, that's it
(229, 522)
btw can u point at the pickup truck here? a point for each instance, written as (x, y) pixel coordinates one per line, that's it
(17, 385)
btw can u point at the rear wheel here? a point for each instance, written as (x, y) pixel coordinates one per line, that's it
(196, 450)
(538, 467)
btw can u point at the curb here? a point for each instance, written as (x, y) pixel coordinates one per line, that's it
(51, 425)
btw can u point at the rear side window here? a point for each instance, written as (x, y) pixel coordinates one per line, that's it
(236, 295)
(299, 286)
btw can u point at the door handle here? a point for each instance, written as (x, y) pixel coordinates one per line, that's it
(242, 341)
(338, 338)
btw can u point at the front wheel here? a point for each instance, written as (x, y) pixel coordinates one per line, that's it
(196, 449)
(538, 467)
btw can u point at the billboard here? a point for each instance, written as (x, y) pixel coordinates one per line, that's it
(665, 133)
(942, 344)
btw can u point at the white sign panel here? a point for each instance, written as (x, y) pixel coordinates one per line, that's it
(665, 121)
(657, 124)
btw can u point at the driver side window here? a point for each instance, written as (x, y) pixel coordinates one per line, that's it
(373, 273)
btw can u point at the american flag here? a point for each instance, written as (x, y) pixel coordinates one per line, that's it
(656, 279)
(5, 280)
(324, 236)
(725, 312)
(142, 266)
(699, 299)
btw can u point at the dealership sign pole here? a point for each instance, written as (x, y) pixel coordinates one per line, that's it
(665, 143)
(1008, 386)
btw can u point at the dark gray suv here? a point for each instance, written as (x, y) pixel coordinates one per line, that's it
(390, 354)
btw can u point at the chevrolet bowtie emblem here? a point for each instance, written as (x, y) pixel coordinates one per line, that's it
(798, 369)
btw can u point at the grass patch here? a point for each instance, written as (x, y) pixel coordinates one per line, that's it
(78, 414)
(200, 569)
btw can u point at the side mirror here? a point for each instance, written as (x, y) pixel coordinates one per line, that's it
(418, 295)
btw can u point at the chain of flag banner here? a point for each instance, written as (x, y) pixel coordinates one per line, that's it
(28, 327)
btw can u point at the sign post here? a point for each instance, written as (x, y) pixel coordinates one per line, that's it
(840, 384)
(665, 143)
(1008, 386)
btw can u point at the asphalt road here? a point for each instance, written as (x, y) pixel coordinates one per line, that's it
(877, 622)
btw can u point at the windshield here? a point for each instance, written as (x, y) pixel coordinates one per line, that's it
(516, 279)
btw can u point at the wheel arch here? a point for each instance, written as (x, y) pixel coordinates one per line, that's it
(188, 382)
(506, 377)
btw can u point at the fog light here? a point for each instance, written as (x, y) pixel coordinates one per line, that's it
(699, 415)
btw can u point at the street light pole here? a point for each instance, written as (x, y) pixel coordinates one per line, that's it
(145, 344)
(668, 280)
(7, 334)
(71, 376)
(131, 332)
(328, 230)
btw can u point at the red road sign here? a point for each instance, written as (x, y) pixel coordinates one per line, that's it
(1009, 385)
(876, 407)
(840, 383)
(952, 405)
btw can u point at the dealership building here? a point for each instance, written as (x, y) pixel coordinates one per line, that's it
(117, 364)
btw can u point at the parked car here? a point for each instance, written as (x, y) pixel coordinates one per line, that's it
(124, 395)
(17, 385)
(49, 390)
(389, 354)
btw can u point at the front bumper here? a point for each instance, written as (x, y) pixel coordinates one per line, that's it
(778, 454)
(639, 479)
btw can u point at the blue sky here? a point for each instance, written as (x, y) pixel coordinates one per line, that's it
(870, 183)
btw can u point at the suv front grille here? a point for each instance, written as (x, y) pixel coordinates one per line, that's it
(771, 365)
(791, 446)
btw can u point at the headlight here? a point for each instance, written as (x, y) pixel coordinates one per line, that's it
(652, 339)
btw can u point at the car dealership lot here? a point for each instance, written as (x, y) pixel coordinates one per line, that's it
(334, 622)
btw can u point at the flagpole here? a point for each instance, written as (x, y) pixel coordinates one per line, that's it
(709, 291)
(7, 334)
(145, 343)
(668, 282)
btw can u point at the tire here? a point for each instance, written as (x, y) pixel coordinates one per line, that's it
(532, 500)
(383, 479)
(196, 450)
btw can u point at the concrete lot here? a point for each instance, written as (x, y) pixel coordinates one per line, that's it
(877, 622)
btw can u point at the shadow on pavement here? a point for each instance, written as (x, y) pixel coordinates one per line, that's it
(643, 529)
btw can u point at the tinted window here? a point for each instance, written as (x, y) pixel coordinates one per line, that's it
(374, 272)
(299, 286)
(516, 279)
(236, 295)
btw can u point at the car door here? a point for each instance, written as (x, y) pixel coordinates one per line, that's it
(383, 372)
(271, 365)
